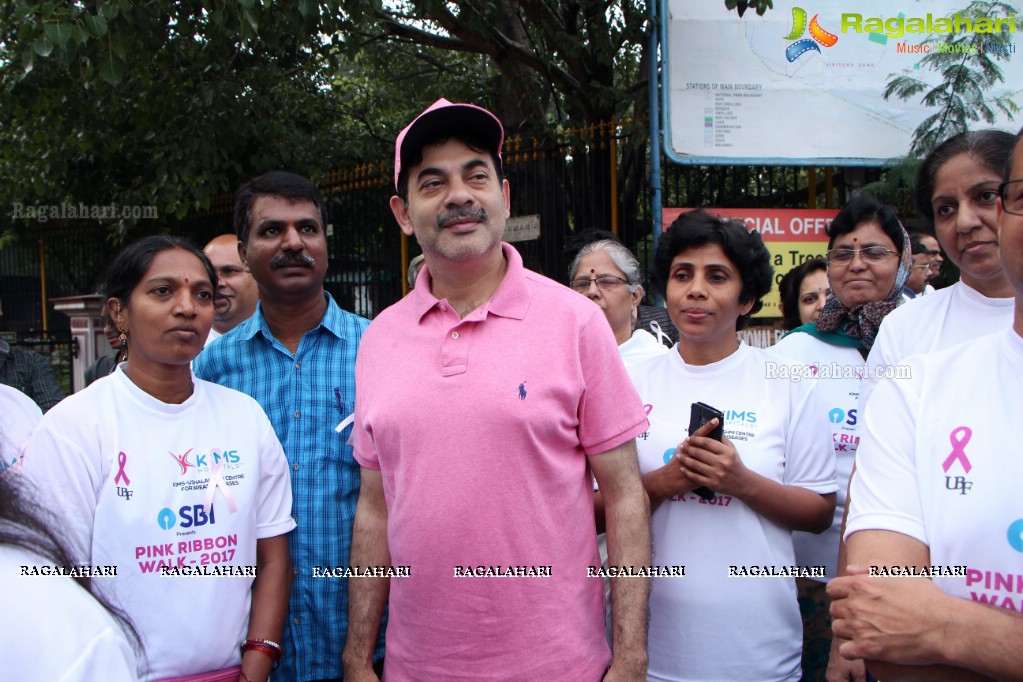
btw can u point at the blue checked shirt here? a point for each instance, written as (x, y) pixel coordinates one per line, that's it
(306, 395)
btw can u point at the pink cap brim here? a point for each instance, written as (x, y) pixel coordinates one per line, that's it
(440, 120)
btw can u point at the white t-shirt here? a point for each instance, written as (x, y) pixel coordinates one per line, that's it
(19, 415)
(837, 371)
(939, 461)
(640, 346)
(54, 631)
(947, 317)
(707, 625)
(129, 477)
(213, 336)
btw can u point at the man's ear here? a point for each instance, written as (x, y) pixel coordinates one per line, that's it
(400, 210)
(242, 252)
(115, 311)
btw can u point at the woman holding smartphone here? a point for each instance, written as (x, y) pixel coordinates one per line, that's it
(771, 472)
(162, 476)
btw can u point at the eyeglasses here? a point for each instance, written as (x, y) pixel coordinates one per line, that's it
(870, 254)
(1011, 193)
(604, 283)
(920, 267)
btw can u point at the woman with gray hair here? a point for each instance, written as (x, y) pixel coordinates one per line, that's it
(608, 274)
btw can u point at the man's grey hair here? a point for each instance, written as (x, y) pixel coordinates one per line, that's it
(620, 256)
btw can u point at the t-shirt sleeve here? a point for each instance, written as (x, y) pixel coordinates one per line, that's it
(363, 446)
(65, 481)
(106, 656)
(810, 450)
(273, 517)
(884, 494)
(883, 353)
(610, 410)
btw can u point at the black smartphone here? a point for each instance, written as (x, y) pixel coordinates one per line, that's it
(700, 414)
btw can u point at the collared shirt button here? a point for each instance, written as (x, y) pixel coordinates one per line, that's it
(296, 621)
(297, 414)
(443, 308)
(294, 571)
(298, 365)
(455, 335)
(295, 467)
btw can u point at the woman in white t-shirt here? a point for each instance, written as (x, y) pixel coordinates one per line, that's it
(868, 263)
(957, 190)
(607, 273)
(54, 627)
(734, 615)
(802, 293)
(177, 488)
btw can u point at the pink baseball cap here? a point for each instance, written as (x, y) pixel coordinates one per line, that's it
(442, 119)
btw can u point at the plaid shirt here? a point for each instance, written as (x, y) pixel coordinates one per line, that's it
(30, 373)
(306, 395)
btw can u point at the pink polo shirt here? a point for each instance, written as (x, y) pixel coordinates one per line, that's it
(480, 428)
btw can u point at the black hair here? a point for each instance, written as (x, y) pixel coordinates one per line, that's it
(991, 148)
(132, 263)
(791, 283)
(917, 245)
(1007, 172)
(281, 184)
(471, 139)
(27, 526)
(744, 248)
(864, 208)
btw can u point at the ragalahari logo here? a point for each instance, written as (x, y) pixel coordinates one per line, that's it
(817, 35)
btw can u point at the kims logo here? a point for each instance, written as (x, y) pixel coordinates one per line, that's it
(817, 35)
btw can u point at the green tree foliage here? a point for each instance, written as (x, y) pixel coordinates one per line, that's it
(968, 66)
(160, 103)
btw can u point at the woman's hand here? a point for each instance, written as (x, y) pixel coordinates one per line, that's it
(713, 464)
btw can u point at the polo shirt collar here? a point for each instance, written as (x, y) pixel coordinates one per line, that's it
(510, 300)
(332, 321)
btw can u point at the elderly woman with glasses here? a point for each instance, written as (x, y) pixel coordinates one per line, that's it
(726, 506)
(607, 273)
(869, 261)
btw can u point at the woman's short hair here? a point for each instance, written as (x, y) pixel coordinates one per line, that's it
(132, 263)
(744, 248)
(620, 256)
(864, 208)
(791, 283)
(991, 148)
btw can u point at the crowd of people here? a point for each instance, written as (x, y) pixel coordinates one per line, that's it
(505, 478)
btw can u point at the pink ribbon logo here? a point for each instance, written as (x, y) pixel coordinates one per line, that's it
(121, 476)
(959, 438)
(217, 481)
(647, 408)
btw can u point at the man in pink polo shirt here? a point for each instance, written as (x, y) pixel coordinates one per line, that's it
(485, 398)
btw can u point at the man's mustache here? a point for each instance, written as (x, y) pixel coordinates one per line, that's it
(477, 213)
(288, 258)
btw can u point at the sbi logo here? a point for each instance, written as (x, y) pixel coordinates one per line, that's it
(191, 515)
(1016, 535)
(748, 416)
(838, 415)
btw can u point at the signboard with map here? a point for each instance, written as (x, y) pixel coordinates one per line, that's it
(803, 84)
